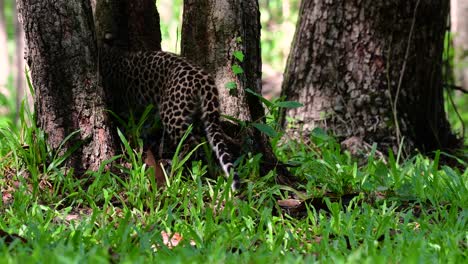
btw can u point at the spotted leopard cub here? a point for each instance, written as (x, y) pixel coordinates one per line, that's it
(181, 92)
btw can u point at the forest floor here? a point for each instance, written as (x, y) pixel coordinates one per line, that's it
(378, 211)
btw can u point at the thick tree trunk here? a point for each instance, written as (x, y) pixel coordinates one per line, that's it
(371, 70)
(134, 24)
(212, 31)
(459, 14)
(144, 25)
(68, 97)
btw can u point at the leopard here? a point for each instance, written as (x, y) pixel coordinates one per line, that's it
(181, 92)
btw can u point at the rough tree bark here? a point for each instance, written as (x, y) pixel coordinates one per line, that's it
(68, 97)
(212, 31)
(371, 70)
(134, 24)
(143, 25)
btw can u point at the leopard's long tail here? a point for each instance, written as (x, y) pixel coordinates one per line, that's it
(214, 133)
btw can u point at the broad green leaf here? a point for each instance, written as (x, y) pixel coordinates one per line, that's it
(239, 55)
(264, 128)
(320, 134)
(263, 99)
(289, 104)
(236, 69)
(231, 85)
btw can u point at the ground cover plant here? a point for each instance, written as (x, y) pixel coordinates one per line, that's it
(379, 210)
(375, 208)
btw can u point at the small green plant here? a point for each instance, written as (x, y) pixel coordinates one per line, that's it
(274, 108)
(271, 127)
(237, 69)
(400, 211)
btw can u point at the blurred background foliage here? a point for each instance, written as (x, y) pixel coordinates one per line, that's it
(278, 18)
(7, 90)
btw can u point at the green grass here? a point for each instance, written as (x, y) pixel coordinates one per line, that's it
(411, 212)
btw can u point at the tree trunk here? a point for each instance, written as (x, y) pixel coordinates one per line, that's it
(371, 70)
(135, 27)
(213, 31)
(459, 10)
(135, 24)
(68, 96)
(144, 25)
